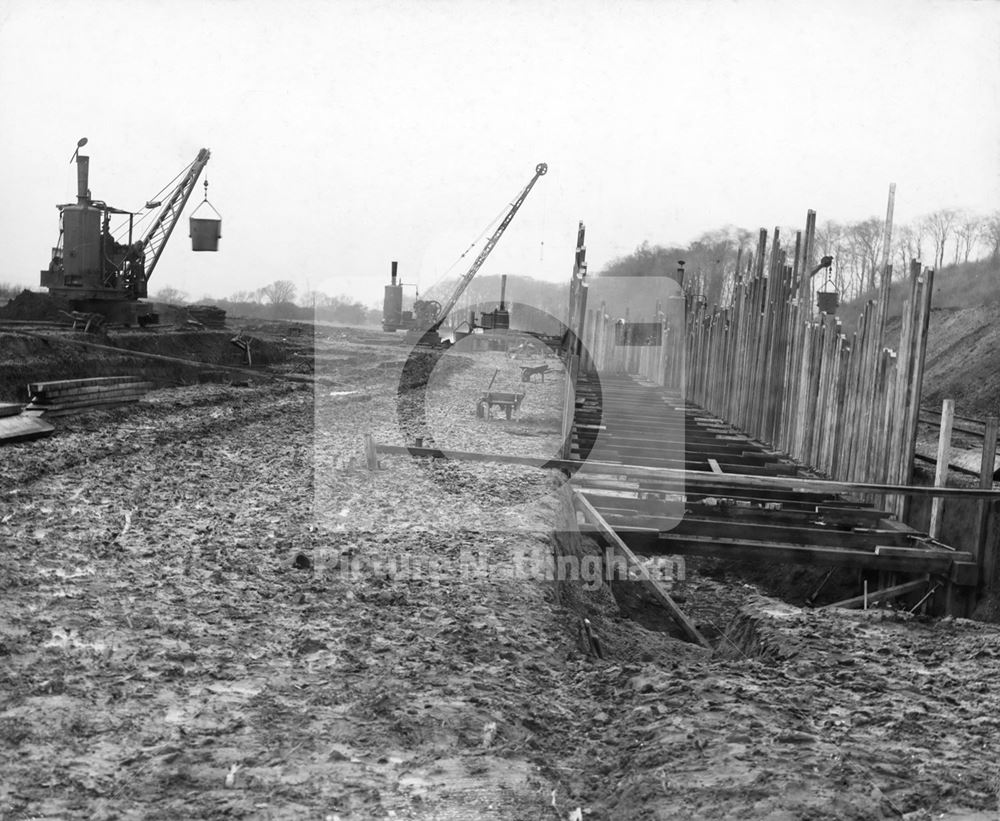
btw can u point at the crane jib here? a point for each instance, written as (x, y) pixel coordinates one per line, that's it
(163, 226)
(540, 170)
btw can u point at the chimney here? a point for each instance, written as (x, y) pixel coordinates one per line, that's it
(82, 179)
(503, 291)
(394, 266)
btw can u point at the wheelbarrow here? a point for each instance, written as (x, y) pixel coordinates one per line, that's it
(508, 401)
(528, 371)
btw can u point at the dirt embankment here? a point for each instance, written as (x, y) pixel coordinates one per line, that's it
(25, 358)
(962, 361)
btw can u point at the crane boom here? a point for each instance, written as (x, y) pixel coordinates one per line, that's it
(540, 170)
(158, 234)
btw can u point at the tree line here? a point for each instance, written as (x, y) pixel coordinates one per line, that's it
(947, 236)
(278, 301)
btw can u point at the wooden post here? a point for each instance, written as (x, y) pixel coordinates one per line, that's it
(569, 404)
(371, 455)
(941, 474)
(923, 318)
(986, 554)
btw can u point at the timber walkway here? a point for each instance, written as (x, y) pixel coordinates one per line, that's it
(735, 499)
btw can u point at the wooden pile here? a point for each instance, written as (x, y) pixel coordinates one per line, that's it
(68, 396)
(16, 426)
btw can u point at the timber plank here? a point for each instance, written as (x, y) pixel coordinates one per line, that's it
(22, 428)
(661, 593)
(34, 387)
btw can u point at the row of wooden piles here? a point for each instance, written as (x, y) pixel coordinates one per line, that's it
(788, 374)
(68, 396)
(776, 366)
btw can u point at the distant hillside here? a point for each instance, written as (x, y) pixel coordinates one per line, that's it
(483, 294)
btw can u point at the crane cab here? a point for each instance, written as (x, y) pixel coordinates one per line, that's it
(89, 268)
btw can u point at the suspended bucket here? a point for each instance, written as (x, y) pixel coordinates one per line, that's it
(205, 232)
(827, 301)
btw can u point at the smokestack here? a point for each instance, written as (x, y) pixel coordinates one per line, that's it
(503, 291)
(394, 266)
(82, 179)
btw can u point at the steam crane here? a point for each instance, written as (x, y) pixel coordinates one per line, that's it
(429, 315)
(93, 272)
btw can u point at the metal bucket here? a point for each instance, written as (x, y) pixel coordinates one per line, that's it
(205, 234)
(827, 301)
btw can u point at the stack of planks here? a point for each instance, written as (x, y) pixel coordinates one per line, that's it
(70, 396)
(208, 315)
(16, 426)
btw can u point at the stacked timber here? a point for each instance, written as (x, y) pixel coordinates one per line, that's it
(208, 315)
(69, 396)
(16, 426)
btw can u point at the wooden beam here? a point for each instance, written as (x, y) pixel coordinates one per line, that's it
(655, 543)
(803, 514)
(880, 595)
(986, 554)
(652, 584)
(941, 473)
(763, 531)
(695, 478)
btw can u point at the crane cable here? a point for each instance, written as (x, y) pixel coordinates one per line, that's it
(489, 225)
(121, 230)
(545, 212)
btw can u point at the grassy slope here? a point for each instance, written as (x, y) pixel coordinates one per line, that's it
(963, 348)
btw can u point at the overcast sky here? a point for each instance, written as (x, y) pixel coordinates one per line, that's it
(348, 134)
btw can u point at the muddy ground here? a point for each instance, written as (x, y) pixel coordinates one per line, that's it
(205, 612)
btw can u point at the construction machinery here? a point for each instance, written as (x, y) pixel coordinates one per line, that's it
(499, 318)
(96, 272)
(427, 315)
(394, 318)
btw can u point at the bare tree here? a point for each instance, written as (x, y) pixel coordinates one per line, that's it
(908, 243)
(317, 299)
(865, 239)
(171, 295)
(990, 235)
(968, 232)
(281, 290)
(244, 296)
(829, 236)
(939, 227)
